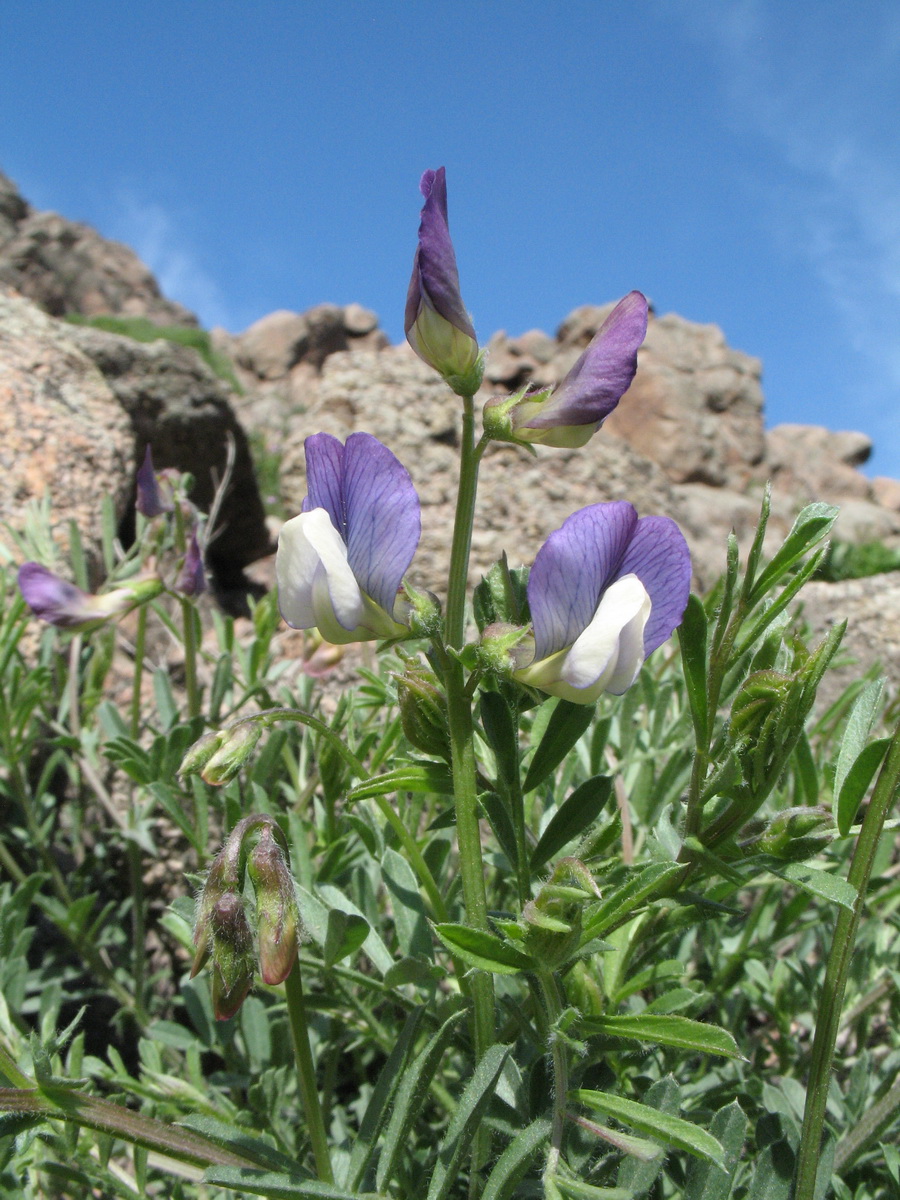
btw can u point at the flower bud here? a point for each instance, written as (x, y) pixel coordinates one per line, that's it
(231, 951)
(423, 710)
(150, 501)
(236, 747)
(797, 833)
(277, 913)
(553, 919)
(201, 752)
(66, 606)
(192, 578)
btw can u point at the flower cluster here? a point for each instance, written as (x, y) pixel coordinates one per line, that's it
(604, 591)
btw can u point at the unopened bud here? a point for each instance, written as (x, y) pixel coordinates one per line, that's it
(201, 752)
(278, 916)
(236, 747)
(231, 951)
(797, 833)
(423, 710)
(553, 919)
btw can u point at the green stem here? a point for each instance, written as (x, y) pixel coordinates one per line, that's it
(140, 643)
(306, 1074)
(829, 1013)
(550, 993)
(188, 616)
(420, 866)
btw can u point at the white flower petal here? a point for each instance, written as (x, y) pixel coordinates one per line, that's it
(315, 584)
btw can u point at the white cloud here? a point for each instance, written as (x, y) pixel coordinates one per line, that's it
(156, 237)
(823, 101)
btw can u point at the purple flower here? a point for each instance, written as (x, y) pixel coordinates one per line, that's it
(340, 564)
(437, 325)
(150, 502)
(576, 408)
(192, 578)
(61, 603)
(605, 590)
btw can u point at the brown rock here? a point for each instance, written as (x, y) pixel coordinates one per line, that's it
(67, 267)
(63, 436)
(809, 462)
(273, 344)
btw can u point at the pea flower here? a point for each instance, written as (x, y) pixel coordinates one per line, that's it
(192, 577)
(572, 412)
(341, 562)
(605, 590)
(61, 603)
(436, 323)
(150, 501)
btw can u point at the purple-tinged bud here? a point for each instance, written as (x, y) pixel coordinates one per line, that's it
(150, 501)
(236, 747)
(278, 917)
(437, 326)
(231, 952)
(66, 606)
(192, 579)
(572, 412)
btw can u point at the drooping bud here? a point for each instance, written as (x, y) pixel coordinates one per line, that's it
(423, 710)
(231, 954)
(797, 833)
(278, 916)
(201, 752)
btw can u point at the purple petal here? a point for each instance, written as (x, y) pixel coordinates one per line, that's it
(371, 500)
(192, 579)
(603, 374)
(659, 556)
(324, 478)
(571, 570)
(149, 501)
(383, 523)
(435, 278)
(53, 599)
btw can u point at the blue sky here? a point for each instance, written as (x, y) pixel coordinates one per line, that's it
(739, 162)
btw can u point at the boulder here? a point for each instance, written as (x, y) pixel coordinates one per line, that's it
(67, 267)
(78, 406)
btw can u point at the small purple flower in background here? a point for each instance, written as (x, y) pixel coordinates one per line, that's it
(340, 563)
(605, 590)
(61, 603)
(574, 410)
(436, 323)
(192, 578)
(150, 502)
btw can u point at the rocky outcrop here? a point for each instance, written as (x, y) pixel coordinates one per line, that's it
(66, 267)
(78, 407)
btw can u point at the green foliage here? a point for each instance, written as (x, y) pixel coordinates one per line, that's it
(663, 875)
(143, 330)
(857, 560)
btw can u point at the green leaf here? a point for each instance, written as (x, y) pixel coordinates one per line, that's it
(465, 1121)
(566, 725)
(512, 1164)
(249, 1144)
(773, 1174)
(382, 1097)
(431, 777)
(708, 1180)
(675, 1131)
(855, 782)
(573, 816)
(819, 883)
(275, 1185)
(640, 1148)
(411, 1093)
(345, 934)
(628, 899)
(811, 525)
(410, 917)
(500, 731)
(484, 950)
(638, 1177)
(667, 1031)
(692, 634)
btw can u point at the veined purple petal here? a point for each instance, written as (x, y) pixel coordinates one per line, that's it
(324, 478)
(571, 570)
(435, 277)
(603, 374)
(372, 502)
(659, 556)
(383, 522)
